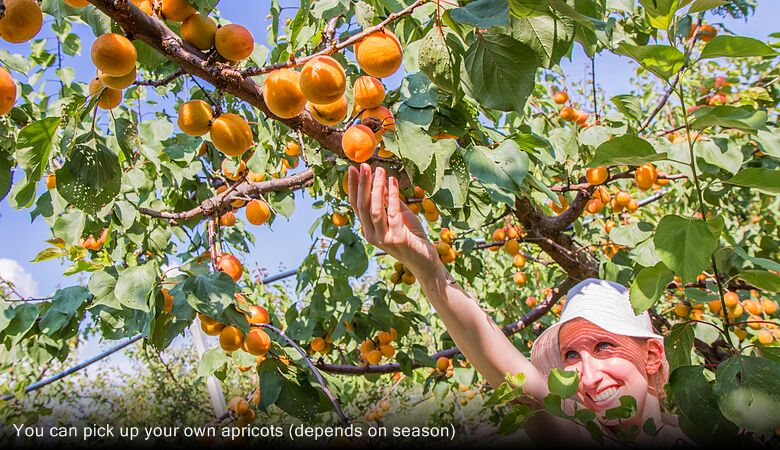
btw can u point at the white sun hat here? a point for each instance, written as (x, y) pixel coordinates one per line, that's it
(604, 304)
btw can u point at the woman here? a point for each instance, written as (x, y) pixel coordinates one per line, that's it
(615, 352)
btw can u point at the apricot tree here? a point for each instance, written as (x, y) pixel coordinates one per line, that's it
(527, 183)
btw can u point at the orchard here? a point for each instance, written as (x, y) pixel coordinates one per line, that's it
(190, 136)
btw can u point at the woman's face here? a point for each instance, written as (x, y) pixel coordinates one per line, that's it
(610, 366)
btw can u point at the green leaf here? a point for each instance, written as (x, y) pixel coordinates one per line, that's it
(5, 176)
(563, 383)
(504, 393)
(90, 178)
(660, 13)
(741, 118)
(298, 400)
(626, 409)
(134, 286)
(550, 38)
(699, 415)
(629, 105)
(764, 180)
(270, 381)
(64, 305)
(33, 147)
(684, 245)
(213, 295)
(69, 226)
(410, 142)
(626, 149)
(417, 91)
(126, 136)
(766, 281)
(649, 286)
(211, 361)
(704, 5)
(495, 61)
(736, 47)
(747, 390)
(23, 319)
(761, 262)
(440, 57)
(483, 13)
(500, 170)
(678, 345)
(662, 60)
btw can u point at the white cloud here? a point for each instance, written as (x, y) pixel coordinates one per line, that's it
(23, 282)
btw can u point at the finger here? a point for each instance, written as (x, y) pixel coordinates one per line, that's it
(364, 200)
(394, 218)
(353, 178)
(378, 195)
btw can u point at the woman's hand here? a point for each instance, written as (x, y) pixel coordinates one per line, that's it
(396, 230)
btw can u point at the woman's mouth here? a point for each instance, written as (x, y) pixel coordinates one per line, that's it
(605, 395)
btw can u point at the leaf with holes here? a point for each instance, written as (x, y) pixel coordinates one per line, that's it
(90, 178)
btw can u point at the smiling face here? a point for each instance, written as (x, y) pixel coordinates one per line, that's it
(610, 365)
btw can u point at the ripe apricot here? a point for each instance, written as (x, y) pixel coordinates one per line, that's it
(231, 135)
(234, 42)
(387, 350)
(560, 97)
(518, 260)
(368, 92)
(323, 80)
(602, 194)
(752, 306)
(731, 299)
(384, 337)
(769, 306)
(765, 337)
(568, 114)
(109, 98)
(622, 198)
(581, 118)
(442, 363)
(117, 82)
(358, 143)
(374, 356)
(596, 175)
(292, 149)
(682, 310)
(211, 328)
(230, 265)
(77, 3)
(594, 206)
(519, 278)
(705, 32)
(257, 342)
(366, 346)
(564, 204)
(257, 314)
(145, 6)
(228, 172)
(195, 117)
(449, 257)
(289, 165)
(113, 54)
(199, 30)
(339, 219)
(531, 302)
(177, 10)
(227, 219)
(633, 205)
(239, 405)
(255, 177)
(408, 278)
(51, 181)
(282, 93)
(382, 115)
(7, 92)
(645, 175)
(257, 212)
(512, 247)
(329, 114)
(21, 22)
(230, 338)
(379, 54)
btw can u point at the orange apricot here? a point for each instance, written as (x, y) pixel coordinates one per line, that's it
(622, 198)
(257, 314)
(108, 98)
(323, 80)
(568, 114)
(358, 143)
(77, 3)
(282, 93)
(195, 117)
(560, 97)
(113, 54)
(199, 30)
(21, 21)
(51, 181)
(374, 356)
(7, 92)
(229, 174)
(230, 265)
(381, 114)
(594, 206)
(339, 220)
(769, 306)
(177, 10)
(230, 338)
(227, 219)
(117, 82)
(231, 135)
(257, 342)
(257, 212)
(234, 42)
(596, 175)
(442, 363)
(731, 298)
(292, 149)
(645, 175)
(519, 278)
(379, 54)
(329, 114)
(368, 92)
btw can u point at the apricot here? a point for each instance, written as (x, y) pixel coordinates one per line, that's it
(560, 97)
(113, 54)
(582, 117)
(234, 42)
(227, 219)
(382, 115)
(230, 265)
(231, 135)
(339, 220)
(77, 3)
(752, 307)
(705, 32)
(531, 302)
(292, 149)
(568, 114)
(622, 198)
(645, 175)
(117, 82)
(374, 356)
(442, 363)
(358, 143)
(177, 10)
(449, 257)
(597, 175)
(594, 206)
(731, 299)
(512, 247)
(366, 346)
(519, 278)
(368, 92)
(257, 212)
(323, 80)
(770, 306)
(239, 405)
(632, 205)
(211, 328)
(195, 118)
(7, 92)
(286, 164)
(108, 98)
(255, 177)
(330, 114)
(257, 314)
(21, 22)
(145, 6)
(229, 174)
(518, 260)
(257, 342)
(51, 181)
(282, 93)
(387, 350)
(765, 336)
(499, 234)
(408, 278)
(384, 337)
(235, 203)
(379, 54)
(682, 310)
(602, 194)
(564, 204)
(199, 30)
(230, 338)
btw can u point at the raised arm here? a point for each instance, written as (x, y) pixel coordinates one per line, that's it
(389, 224)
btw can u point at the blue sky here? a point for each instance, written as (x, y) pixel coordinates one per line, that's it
(283, 247)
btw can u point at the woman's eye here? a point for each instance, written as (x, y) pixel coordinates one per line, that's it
(603, 346)
(571, 354)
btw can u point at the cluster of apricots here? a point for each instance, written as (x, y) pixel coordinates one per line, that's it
(115, 57)
(321, 345)
(255, 342)
(91, 243)
(704, 32)
(467, 392)
(373, 350)
(401, 274)
(510, 235)
(443, 367)
(21, 21)
(425, 205)
(230, 133)
(567, 112)
(241, 408)
(645, 177)
(444, 248)
(378, 411)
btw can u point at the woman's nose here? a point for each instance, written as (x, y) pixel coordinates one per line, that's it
(590, 371)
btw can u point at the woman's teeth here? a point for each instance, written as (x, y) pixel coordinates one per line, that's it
(605, 395)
